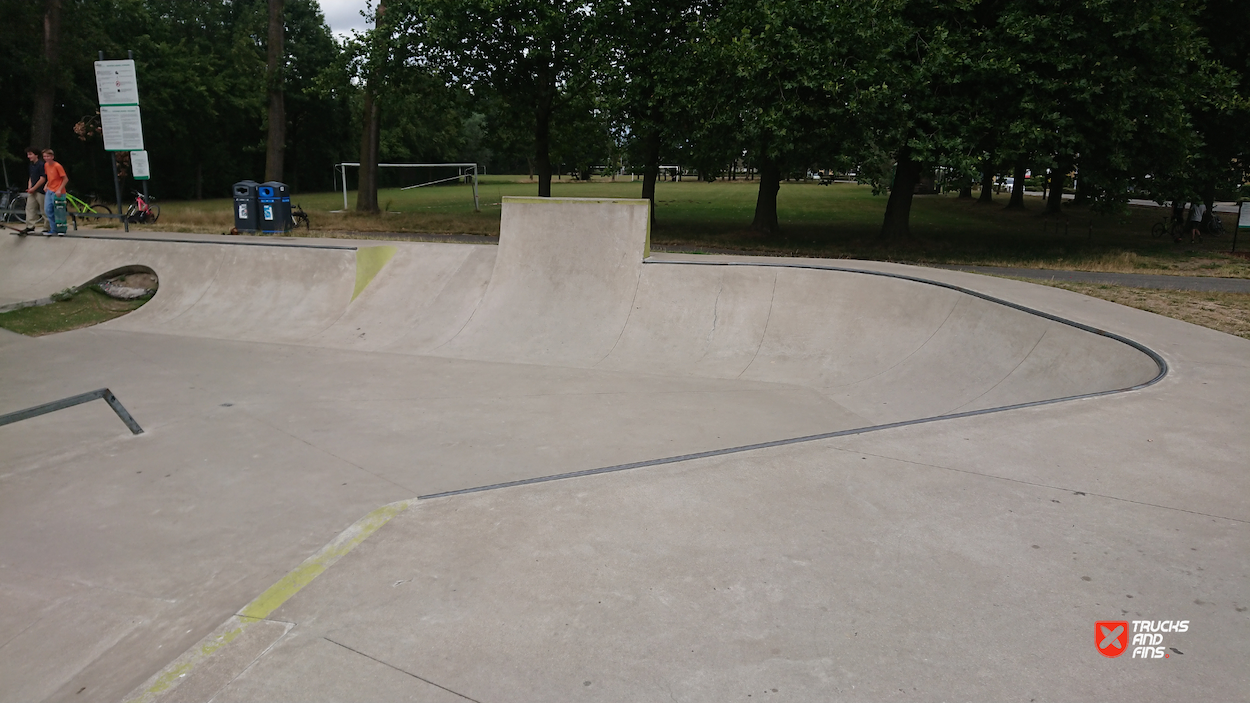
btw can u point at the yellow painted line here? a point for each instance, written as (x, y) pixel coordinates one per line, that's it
(369, 261)
(264, 604)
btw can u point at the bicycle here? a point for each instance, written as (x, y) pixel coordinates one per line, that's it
(1172, 225)
(76, 206)
(144, 210)
(299, 217)
(13, 205)
(1215, 227)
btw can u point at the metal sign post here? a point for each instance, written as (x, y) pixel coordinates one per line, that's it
(117, 186)
(117, 86)
(1243, 220)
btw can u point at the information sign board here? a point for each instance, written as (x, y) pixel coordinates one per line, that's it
(139, 165)
(122, 126)
(116, 82)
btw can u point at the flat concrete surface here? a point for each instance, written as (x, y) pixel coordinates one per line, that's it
(963, 558)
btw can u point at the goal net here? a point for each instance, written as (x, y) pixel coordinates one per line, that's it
(409, 176)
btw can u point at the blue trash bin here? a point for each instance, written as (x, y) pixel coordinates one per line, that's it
(275, 207)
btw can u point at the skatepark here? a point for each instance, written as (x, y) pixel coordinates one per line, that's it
(568, 468)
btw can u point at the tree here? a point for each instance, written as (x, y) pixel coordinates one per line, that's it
(528, 53)
(1104, 86)
(930, 107)
(376, 51)
(782, 82)
(1220, 161)
(274, 78)
(650, 75)
(46, 77)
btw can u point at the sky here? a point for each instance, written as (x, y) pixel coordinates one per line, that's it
(343, 15)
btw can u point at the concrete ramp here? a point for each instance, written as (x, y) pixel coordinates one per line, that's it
(571, 285)
(224, 291)
(563, 284)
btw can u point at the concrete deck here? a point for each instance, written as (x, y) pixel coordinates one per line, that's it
(264, 540)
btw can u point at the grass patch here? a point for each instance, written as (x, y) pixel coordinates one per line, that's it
(838, 221)
(1226, 312)
(70, 310)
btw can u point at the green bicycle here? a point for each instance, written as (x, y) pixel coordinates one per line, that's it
(77, 206)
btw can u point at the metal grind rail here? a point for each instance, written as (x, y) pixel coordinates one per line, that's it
(103, 393)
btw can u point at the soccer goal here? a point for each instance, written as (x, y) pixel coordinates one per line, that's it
(464, 172)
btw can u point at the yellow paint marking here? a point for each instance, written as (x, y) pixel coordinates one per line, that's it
(303, 574)
(369, 261)
(269, 601)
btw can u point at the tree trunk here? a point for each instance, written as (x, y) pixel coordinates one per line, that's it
(276, 145)
(542, 130)
(367, 186)
(1054, 201)
(898, 208)
(987, 185)
(766, 203)
(45, 88)
(371, 122)
(1017, 188)
(1084, 192)
(651, 166)
(965, 191)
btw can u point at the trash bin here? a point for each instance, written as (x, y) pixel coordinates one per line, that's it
(61, 214)
(275, 207)
(245, 206)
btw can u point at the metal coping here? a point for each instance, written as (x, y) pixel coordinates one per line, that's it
(200, 241)
(1159, 361)
(104, 393)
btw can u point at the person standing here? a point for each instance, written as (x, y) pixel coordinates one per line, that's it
(57, 180)
(1197, 212)
(34, 189)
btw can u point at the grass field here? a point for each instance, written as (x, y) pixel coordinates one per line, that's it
(838, 221)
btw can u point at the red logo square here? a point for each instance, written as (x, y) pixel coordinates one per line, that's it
(1111, 637)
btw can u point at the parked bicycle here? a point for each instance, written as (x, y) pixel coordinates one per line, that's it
(299, 217)
(13, 205)
(1172, 225)
(1215, 227)
(144, 210)
(77, 206)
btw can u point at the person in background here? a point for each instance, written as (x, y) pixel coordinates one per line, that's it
(1197, 212)
(34, 189)
(57, 180)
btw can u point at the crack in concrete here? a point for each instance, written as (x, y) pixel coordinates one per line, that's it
(402, 671)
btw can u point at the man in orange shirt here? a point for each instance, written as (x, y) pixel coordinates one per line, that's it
(55, 188)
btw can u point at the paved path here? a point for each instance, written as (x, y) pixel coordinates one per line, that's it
(1131, 280)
